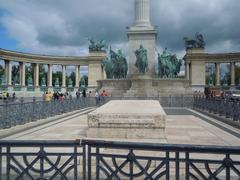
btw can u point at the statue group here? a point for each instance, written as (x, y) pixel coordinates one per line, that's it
(142, 60)
(198, 42)
(97, 46)
(116, 67)
(168, 65)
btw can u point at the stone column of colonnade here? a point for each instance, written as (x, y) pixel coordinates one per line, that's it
(233, 74)
(50, 75)
(64, 76)
(76, 76)
(36, 75)
(217, 74)
(22, 73)
(8, 72)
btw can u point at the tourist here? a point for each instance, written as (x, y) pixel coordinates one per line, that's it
(78, 94)
(84, 93)
(89, 93)
(97, 97)
(103, 96)
(14, 96)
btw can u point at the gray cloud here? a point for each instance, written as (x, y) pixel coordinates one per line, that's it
(62, 27)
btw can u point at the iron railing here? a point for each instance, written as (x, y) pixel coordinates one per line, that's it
(223, 107)
(21, 112)
(94, 159)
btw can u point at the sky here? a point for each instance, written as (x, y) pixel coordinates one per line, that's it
(62, 27)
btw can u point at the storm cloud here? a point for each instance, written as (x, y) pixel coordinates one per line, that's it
(61, 27)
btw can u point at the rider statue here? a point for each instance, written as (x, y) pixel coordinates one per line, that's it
(198, 42)
(97, 46)
(142, 60)
(116, 66)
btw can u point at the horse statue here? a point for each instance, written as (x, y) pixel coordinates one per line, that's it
(168, 65)
(142, 60)
(116, 67)
(198, 42)
(120, 66)
(108, 67)
(97, 46)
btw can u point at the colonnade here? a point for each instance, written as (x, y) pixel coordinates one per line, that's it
(92, 61)
(22, 74)
(195, 63)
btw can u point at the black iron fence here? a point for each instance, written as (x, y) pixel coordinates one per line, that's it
(21, 112)
(222, 107)
(90, 159)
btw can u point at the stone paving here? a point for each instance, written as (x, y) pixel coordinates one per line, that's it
(184, 129)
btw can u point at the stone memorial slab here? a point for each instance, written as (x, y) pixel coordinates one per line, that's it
(130, 119)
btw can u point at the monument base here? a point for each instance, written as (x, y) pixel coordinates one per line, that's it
(128, 119)
(145, 87)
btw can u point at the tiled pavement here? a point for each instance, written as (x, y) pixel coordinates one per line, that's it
(184, 129)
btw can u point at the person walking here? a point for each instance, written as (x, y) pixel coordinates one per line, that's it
(97, 97)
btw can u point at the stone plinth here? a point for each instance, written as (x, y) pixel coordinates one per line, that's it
(130, 119)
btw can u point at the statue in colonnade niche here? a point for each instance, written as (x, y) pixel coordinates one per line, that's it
(168, 65)
(56, 84)
(43, 81)
(116, 67)
(70, 82)
(97, 46)
(29, 81)
(16, 80)
(142, 60)
(198, 42)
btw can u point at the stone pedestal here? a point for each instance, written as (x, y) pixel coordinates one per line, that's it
(128, 119)
(142, 86)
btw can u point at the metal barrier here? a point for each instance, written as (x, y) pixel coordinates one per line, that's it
(15, 113)
(223, 107)
(93, 159)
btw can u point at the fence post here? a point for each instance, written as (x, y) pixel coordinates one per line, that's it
(33, 108)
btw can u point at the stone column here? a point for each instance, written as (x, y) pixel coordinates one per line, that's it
(142, 13)
(63, 76)
(50, 75)
(187, 70)
(8, 72)
(217, 74)
(36, 75)
(233, 74)
(94, 74)
(22, 73)
(76, 76)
